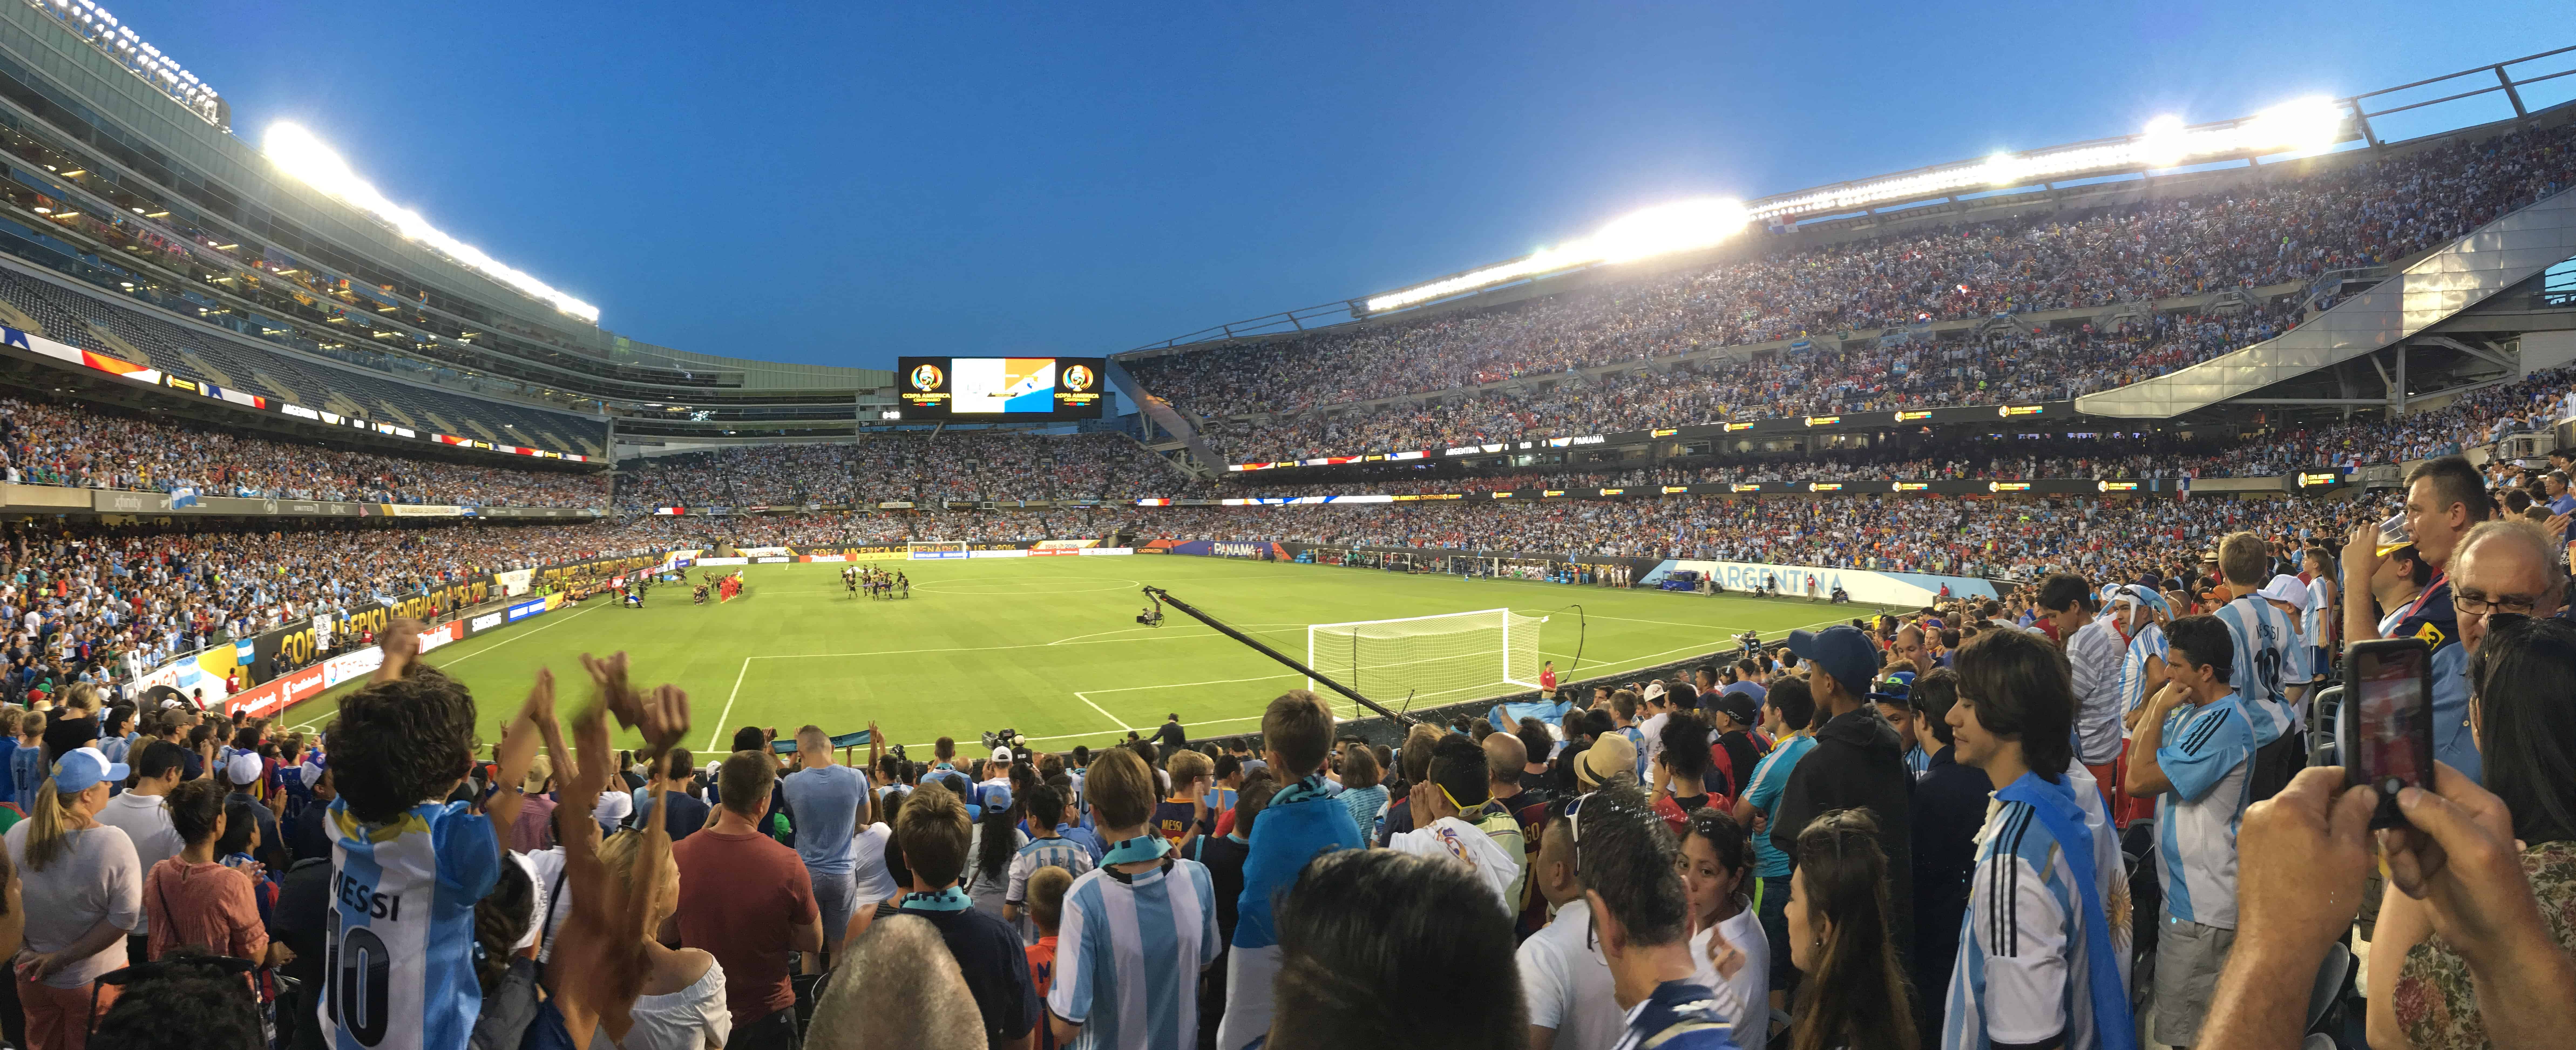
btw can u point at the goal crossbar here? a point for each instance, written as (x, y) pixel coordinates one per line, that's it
(1444, 654)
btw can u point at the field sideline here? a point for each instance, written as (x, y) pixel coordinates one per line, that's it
(1048, 646)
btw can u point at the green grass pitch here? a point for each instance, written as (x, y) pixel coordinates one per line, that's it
(1047, 646)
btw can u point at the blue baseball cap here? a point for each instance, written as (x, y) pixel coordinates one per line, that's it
(1843, 653)
(995, 796)
(82, 768)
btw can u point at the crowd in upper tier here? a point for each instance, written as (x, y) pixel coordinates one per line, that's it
(88, 445)
(2282, 228)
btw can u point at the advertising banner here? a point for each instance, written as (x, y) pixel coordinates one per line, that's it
(976, 554)
(1089, 551)
(1874, 588)
(523, 610)
(823, 557)
(724, 561)
(763, 552)
(514, 582)
(1042, 552)
(772, 560)
(1048, 545)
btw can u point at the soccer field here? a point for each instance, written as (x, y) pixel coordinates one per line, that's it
(1048, 646)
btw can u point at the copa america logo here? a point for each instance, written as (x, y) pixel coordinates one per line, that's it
(1079, 377)
(927, 377)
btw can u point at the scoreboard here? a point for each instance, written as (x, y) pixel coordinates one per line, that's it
(1001, 389)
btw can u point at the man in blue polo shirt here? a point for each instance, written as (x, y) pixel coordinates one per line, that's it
(1302, 820)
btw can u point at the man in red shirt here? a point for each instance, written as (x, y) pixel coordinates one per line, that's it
(1546, 677)
(744, 898)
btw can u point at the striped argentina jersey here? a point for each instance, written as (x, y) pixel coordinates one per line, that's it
(2023, 973)
(400, 944)
(2270, 655)
(1129, 953)
(2148, 644)
(2207, 754)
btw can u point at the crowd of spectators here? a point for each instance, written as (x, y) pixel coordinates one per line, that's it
(78, 599)
(2006, 365)
(904, 467)
(1947, 535)
(97, 446)
(1875, 835)
(2281, 228)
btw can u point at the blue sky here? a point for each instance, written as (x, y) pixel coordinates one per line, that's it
(840, 184)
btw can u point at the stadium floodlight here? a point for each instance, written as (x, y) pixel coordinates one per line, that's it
(2302, 126)
(301, 154)
(1661, 230)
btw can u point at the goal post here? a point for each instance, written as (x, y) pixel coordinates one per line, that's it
(1452, 656)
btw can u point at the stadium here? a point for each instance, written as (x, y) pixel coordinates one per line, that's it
(2200, 445)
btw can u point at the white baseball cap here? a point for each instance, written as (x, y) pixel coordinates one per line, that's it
(243, 768)
(2286, 588)
(1002, 755)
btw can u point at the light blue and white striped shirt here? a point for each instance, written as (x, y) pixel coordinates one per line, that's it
(1129, 952)
(2024, 973)
(2147, 644)
(399, 954)
(2208, 756)
(2270, 656)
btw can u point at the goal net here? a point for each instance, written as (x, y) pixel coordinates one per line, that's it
(1455, 656)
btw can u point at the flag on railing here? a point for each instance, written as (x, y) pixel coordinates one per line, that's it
(183, 496)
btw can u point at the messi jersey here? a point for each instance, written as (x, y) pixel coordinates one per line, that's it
(2271, 657)
(399, 962)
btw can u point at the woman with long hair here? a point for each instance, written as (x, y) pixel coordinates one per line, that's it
(83, 889)
(988, 859)
(1717, 865)
(682, 1005)
(1854, 995)
(2420, 992)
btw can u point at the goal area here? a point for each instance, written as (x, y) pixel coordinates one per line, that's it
(1437, 659)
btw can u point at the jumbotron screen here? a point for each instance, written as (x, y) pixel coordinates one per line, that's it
(1001, 389)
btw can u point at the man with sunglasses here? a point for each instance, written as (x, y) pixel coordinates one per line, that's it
(1454, 788)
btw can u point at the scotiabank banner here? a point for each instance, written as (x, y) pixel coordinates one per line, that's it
(1048, 552)
(274, 696)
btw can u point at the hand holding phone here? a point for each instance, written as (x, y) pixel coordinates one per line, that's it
(2385, 731)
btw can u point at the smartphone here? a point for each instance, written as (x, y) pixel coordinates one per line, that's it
(2386, 726)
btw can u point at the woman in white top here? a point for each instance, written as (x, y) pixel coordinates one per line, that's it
(1727, 943)
(83, 892)
(683, 1004)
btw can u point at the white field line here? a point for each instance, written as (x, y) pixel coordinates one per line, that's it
(727, 716)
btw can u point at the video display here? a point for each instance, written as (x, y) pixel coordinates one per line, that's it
(1001, 389)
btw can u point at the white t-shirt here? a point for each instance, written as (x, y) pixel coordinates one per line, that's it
(1748, 996)
(683, 1020)
(1567, 982)
(547, 866)
(1469, 845)
(145, 820)
(868, 867)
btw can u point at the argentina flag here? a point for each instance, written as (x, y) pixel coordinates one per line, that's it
(183, 496)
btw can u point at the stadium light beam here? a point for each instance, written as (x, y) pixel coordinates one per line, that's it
(301, 154)
(1660, 230)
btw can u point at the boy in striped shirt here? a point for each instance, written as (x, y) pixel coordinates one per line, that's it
(2039, 960)
(1136, 931)
(2194, 753)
